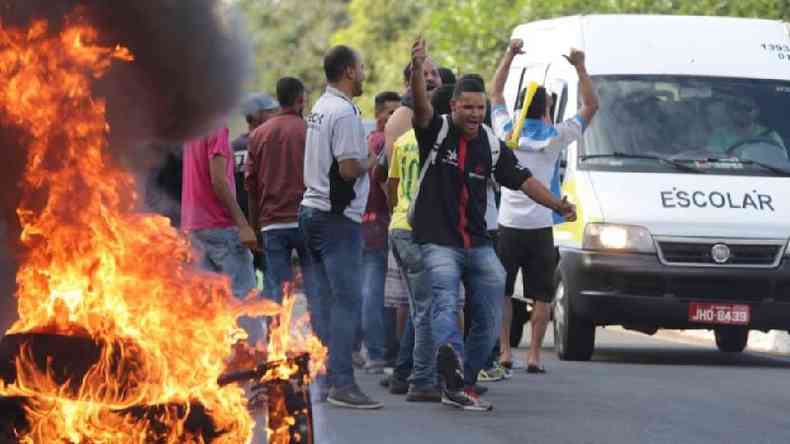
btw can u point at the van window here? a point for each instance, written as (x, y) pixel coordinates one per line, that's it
(715, 125)
(559, 96)
(519, 102)
(532, 73)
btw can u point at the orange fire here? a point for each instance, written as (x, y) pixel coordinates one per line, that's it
(284, 340)
(97, 269)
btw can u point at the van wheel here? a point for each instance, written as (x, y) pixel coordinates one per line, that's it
(732, 339)
(574, 338)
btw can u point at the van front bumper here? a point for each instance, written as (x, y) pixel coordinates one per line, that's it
(638, 290)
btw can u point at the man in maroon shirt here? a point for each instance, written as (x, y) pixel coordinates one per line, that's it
(274, 180)
(375, 225)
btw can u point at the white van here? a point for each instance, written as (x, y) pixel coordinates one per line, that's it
(682, 181)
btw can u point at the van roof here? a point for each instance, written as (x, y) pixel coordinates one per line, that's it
(664, 44)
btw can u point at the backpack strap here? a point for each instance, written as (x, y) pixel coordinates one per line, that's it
(425, 166)
(434, 150)
(495, 146)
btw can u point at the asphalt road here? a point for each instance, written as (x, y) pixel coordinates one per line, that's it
(637, 389)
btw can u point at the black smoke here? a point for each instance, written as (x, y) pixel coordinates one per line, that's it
(191, 61)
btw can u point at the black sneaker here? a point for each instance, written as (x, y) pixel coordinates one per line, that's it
(449, 368)
(398, 386)
(351, 397)
(423, 394)
(466, 400)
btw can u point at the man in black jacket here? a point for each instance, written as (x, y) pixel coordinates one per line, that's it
(450, 226)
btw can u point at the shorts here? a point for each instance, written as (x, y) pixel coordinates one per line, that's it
(396, 290)
(533, 252)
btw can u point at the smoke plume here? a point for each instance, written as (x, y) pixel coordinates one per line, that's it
(191, 61)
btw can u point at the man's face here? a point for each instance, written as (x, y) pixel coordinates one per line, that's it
(357, 76)
(469, 110)
(385, 113)
(432, 78)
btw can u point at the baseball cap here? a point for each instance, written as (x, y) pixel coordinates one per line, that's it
(258, 102)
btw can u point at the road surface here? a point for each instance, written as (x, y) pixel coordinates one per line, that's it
(637, 389)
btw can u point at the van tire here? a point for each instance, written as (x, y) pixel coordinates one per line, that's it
(732, 339)
(574, 337)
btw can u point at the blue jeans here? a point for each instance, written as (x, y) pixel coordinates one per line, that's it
(224, 253)
(420, 342)
(334, 244)
(374, 272)
(404, 365)
(484, 278)
(278, 246)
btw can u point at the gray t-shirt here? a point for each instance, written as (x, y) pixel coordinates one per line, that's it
(335, 133)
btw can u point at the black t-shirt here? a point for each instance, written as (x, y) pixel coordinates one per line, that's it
(239, 147)
(451, 207)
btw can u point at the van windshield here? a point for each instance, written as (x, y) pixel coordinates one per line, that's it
(690, 125)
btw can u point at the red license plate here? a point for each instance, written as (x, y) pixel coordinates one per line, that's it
(725, 314)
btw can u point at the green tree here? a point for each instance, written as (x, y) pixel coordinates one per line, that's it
(469, 35)
(290, 38)
(383, 31)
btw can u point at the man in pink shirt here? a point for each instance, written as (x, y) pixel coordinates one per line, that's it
(212, 216)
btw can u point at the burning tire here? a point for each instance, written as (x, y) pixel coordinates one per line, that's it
(69, 360)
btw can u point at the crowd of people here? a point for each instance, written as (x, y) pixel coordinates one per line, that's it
(399, 233)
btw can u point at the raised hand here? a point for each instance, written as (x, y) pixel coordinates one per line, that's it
(576, 58)
(516, 47)
(419, 51)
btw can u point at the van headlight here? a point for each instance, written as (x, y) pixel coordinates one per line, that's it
(787, 250)
(621, 238)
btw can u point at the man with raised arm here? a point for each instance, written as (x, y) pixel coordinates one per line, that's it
(526, 239)
(449, 225)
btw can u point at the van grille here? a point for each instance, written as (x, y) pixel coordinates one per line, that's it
(721, 290)
(700, 253)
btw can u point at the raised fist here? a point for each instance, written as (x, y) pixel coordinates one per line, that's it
(516, 47)
(576, 58)
(419, 52)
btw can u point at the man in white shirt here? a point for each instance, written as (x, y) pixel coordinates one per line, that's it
(526, 239)
(336, 179)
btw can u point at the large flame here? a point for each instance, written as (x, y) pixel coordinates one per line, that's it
(97, 269)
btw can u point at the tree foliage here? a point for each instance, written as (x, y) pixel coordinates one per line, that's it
(469, 35)
(291, 36)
